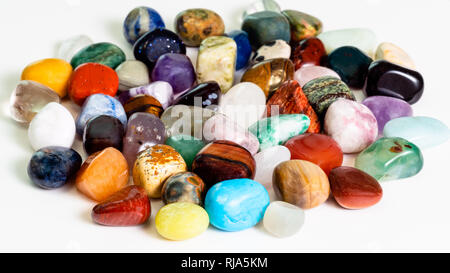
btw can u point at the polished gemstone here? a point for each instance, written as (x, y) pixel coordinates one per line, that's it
(139, 21)
(183, 187)
(103, 53)
(303, 25)
(362, 38)
(102, 132)
(311, 72)
(244, 49)
(261, 5)
(205, 94)
(394, 54)
(187, 146)
(282, 219)
(177, 70)
(267, 160)
(310, 51)
(132, 74)
(162, 91)
(143, 103)
(272, 50)
(69, 47)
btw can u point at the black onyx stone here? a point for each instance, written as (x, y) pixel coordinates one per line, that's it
(156, 43)
(208, 93)
(102, 132)
(351, 64)
(388, 79)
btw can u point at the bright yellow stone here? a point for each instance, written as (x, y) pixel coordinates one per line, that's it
(53, 73)
(181, 221)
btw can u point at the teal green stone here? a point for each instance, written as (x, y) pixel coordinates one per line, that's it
(102, 53)
(277, 130)
(390, 158)
(425, 132)
(186, 146)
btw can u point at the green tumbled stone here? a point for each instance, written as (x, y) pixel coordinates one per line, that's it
(276, 130)
(390, 158)
(186, 146)
(102, 53)
(303, 26)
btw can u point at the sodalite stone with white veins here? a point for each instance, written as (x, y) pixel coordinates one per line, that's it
(140, 21)
(283, 219)
(273, 50)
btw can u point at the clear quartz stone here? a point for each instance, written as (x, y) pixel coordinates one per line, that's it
(261, 5)
(282, 219)
(68, 48)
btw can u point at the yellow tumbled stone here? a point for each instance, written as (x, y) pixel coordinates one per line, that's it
(181, 221)
(394, 54)
(53, 73)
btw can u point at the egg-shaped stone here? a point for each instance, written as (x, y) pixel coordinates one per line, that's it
(272, 50)
(303, 25)
(102, 132)
(183, 187)
(103, 53)
(139, 21)
(310, 51)
(394, 54)
(282, 219)
(177, 70)
(132, 74)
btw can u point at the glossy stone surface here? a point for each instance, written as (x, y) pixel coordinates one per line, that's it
(244, 49)
(354, 189)
(69, 47)
(132, 74)
(290, 99)
(272, 50)
(319, 149)
(195, 25)
(278, 129)
(102, 174)
(139, 21)
(323, 91)
(282, 219)
(270, 74)
(183, 187)
(152, 45)
(28, 98)
(261, 5)
(176, 69)
(154, 165)
(143, 103)
(223, 160)
(301, 183)
(143, 131)
(362, 38)
(92, 78)
(237, 204)
(394, 54)
(387, 108)
(310, 51)
(51, 119)
(205, 94)
(217, 61)
(390, 159)
(351, 124)
(127, 207)
(97, 105)
(303, 25)
(103, 53)
(162, 91)
(311, 72)
(351, 64)
(267, 160)
(187, 146)
(181, 221)
(425, 132)
(102, 132)
(53, 73)
(52, 167)
(259, 34)
(388, 79)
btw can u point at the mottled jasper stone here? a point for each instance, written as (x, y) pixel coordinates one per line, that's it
(308, 73)
(143, 103)
(183, 187)
(205, 94)
(354, 189)
(310, 51)
(132, 74)
(303, 26)
(351, 64)
(176, 69)
(195, 25)
(394, 54)
(323, 91)
(272, 50)
(362, 38)
(187, 146)
(261, 5)
(223, 160)
(102, 132)
(301, 183)
(244, 49)
(103, 53)
(162, 91)
(318, 149)
(270, 74)
(390, 159)
(69, 47)
(388, 79)
(139, 21)
(290, 99)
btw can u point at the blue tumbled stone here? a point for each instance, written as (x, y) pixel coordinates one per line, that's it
(140, 21)
(244, 49)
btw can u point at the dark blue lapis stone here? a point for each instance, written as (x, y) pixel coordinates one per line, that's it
(207, 93)
(244, 49)
(53, 167)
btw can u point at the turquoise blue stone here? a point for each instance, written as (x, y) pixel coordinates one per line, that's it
(236, 204)
(244, 49)
(425, 132)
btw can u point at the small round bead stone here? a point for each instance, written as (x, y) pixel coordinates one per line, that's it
(283, 219)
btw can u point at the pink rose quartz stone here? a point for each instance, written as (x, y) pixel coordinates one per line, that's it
(310, 72)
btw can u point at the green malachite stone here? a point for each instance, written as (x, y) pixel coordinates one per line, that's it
(323, 91)
(390, 159)
(277, 130)
(102, 53)
(186, 146)
(303, 26)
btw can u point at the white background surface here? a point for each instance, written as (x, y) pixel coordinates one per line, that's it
(412, 216)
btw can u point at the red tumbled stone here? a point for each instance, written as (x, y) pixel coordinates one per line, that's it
(310, 51)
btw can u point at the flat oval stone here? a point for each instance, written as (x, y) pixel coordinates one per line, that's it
(205, 94)
(388, 79)
(51, 119)
(143, 103)
(272, 50)
(323, 91)
(387, 108)
(310, 51)
(362, 38)
(318, 149)
(162, 91)
(52, 167)
(278, 129)
(195, 25)
(103, 53)
(187, 146)
(354, 189)
(351, 124)
(217, 61)
(183, 187)
(390, 159)
(223, 160)
(139, 21)
(290, 99)
(244, 49)
(425, 132)
(311, 72)
(282, 219)
(303, 25)
(269, 75)
(351, 64)
(394, 54)
(261, 5)
(301, 183)
(102, 132)
(237, 204)
(267, 160)
(132, 74)
(69, 47)
(176, 69)
(259, 34)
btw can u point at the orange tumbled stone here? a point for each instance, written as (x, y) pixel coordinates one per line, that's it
(143, 103)
(103, 174)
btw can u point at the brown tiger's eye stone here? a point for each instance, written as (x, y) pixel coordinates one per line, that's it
(309, 52)
(143, 103)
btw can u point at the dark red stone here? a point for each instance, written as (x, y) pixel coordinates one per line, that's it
(309, 51)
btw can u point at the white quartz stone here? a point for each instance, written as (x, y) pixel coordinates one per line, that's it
(132, 74)
(282, 219)
(267, 160)
(68, 48)
(273, 50)
(362, 38)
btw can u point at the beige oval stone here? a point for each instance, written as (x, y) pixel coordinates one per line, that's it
(394, 54)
